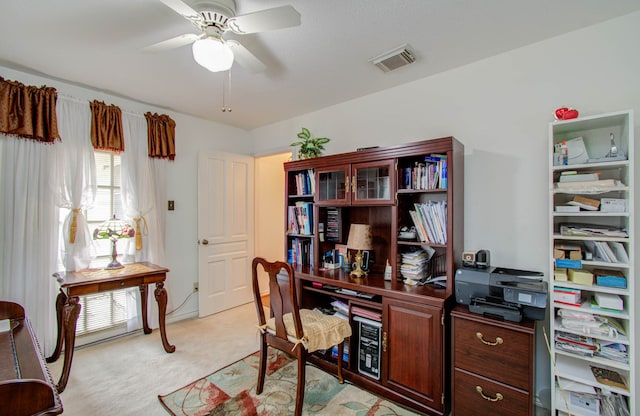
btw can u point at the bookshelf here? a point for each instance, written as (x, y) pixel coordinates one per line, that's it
(592, 244)
(300, 224)
(367, 187)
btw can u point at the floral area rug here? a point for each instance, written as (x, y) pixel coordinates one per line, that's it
(232, 391)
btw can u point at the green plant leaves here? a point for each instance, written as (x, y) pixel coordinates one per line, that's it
(309, 147)
(304, 134)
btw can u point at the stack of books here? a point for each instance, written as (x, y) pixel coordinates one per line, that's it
(576, 344)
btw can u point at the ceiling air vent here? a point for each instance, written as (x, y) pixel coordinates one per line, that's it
(394, 59)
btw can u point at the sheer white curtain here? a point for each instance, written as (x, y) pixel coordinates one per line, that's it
(77, 191)
(29, 230)
(143, 192)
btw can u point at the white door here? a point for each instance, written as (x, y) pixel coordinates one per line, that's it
(225, 231)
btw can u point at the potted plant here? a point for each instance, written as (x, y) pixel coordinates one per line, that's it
(310, 146)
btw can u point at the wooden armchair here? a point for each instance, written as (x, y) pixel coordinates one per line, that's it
(295, 331)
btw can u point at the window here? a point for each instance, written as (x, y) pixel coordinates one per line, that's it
(106, 310)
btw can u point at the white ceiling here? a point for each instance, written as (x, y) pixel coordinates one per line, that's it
(324, 61)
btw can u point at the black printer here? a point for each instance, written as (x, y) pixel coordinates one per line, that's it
(508, 294)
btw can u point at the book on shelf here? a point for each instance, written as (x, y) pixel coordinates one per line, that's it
(589, 185)
(591, 230)
(620, 252)
(579, 340)
(585, 203)
(575, 176)
(566, 208)
(304, 216)
(609, 377)
(432, 173)
(305, 183)
(607, 301)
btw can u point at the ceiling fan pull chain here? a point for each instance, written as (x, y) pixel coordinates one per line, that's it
(224, 98)
(229, 91)
(226, 93)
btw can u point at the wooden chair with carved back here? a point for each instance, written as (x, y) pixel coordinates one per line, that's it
(295, 331)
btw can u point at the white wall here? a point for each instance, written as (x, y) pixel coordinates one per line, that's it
(500, 109)
(192, 136)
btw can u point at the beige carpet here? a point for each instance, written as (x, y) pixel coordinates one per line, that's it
(125, 376)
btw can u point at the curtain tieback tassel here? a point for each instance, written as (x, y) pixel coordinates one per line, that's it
(139, 234)
(73, 227)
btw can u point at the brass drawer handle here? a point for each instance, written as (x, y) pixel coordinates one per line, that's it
(493, 344)
(491, 399)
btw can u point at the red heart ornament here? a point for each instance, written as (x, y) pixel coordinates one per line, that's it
(559, 113)
(565, 113)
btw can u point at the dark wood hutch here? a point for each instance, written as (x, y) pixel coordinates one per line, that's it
(369, 187)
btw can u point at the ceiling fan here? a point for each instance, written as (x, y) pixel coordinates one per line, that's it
(216, 17)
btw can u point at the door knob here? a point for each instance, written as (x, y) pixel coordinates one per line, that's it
(205, 242)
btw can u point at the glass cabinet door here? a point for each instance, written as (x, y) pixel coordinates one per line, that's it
(372, 182)
(334, 185)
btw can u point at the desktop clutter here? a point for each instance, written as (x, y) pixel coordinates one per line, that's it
(500, 292)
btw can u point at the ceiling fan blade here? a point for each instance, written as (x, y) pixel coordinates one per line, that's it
(173, 43)
(186, 11)
(264, 20)
(244, 58)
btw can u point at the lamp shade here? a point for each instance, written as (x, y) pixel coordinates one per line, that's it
(114, 229)
(360, 237)
(213, 54)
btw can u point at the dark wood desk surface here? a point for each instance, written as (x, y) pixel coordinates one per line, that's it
(26, 386)
(89, 281)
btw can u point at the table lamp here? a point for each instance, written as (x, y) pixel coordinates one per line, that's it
(113, 229)
(359, 239)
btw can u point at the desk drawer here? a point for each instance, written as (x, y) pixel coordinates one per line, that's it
(507, 362)
(136, 281)
(469, 402)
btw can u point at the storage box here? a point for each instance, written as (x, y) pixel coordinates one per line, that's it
(613, 205)
(609, 301)
(567, 295)
(610, 278)
(369, 332)
(581, 277)
(568, 264)
(560, 275)
(567, 251)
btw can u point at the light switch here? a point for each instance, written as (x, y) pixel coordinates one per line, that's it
(171, 205)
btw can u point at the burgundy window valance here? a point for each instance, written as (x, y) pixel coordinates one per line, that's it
(106, 127)
(161, 136)
(28, 111)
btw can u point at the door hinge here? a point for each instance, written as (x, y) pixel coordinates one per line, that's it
(442, 319)
(442, 401)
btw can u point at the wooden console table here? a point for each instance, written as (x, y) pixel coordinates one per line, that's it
(26, 386)
(86, 282)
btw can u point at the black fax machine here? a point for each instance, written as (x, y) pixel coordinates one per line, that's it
(508, 294)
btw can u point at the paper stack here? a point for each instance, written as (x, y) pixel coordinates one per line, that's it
(414, 265)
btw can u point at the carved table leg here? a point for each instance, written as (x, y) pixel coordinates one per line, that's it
(161, 298)
(145, 322)
(60, 301)
(70, 313)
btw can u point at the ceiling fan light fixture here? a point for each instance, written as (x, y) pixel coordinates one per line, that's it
(213, 54)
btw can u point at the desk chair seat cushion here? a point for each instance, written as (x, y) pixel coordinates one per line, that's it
(320, 331)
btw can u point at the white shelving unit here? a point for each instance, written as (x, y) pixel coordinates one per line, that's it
(595, 132)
